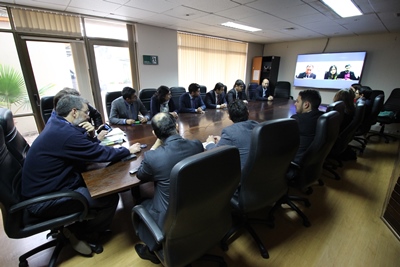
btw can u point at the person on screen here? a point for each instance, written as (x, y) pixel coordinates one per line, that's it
(307, 114)
(331, 74)
(169, 149)
(264, 92)
(161, 101)
(308, 73)
(54, 164)
(237, 92)
(216, 98)
(237, 134)
(191, 102)
(347, 74)
(126, 108)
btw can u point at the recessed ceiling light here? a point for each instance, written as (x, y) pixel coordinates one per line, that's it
(240, 26)
(344, 8)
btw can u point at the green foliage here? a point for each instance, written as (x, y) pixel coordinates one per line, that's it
(12, 86)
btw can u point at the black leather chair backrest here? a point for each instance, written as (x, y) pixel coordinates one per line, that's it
(282, 89)
(345, 137)
(393, 103)
(375, 93)
(371, 118)
(46, 107)
(199, 212)
(145, 95)
(15, 142)
(251, 90)
(203, 92)
(110, 97)
(176, 92)
(327, 131)
(273, 145)
(339, 107)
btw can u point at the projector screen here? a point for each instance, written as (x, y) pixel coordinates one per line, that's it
(329, 70)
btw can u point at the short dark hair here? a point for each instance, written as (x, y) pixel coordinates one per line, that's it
(218, 86)
(193, 87)
(239, 82)
(127, 92)
(365, 91)
(68, 102)
(347, 97)
(164, 125)
(161, 92)
(238, 111)
(311, 96)
(63, 92)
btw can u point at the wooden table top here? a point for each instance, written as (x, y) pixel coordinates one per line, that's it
(103, 179)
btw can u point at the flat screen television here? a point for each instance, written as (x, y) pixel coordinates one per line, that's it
(318, 70)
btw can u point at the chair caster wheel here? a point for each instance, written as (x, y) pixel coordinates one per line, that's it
(307, 203)
(23, 263)
(224, 247)
(309, 191)
(96, 248)
(306, 223)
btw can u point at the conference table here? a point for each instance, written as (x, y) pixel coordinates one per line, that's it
(106, 178)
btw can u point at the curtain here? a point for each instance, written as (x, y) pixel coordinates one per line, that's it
(208, 60)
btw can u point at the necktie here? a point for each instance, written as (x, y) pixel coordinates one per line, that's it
(264, 91)
(193, 103)
(216, 99)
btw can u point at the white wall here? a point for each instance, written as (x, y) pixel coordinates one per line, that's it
(381, 69)
(162, 43)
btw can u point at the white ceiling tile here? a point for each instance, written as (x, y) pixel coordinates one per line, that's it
(210, 6)
(185, 13)
(157, 6)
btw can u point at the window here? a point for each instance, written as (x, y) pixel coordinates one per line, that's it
(208, 60)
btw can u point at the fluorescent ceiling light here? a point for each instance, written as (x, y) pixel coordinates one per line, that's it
(240, 26)
(344, 8)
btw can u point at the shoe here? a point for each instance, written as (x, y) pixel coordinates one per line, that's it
(79, 246)
(144, 253)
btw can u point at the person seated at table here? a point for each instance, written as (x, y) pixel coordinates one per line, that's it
(191, 102)
(237, 134)
(363, 96)
(161, 101)
(237, 92)
(331, 74)
(169, 149)
(94, 116)
(347, 74)
(263, 92)
(55, 161)
(308, 73)
(216, 97)
(125, 109)
(307, 114)
(347, 97)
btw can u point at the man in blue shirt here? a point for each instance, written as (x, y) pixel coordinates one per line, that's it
(191, 101)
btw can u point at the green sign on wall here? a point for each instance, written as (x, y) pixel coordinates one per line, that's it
(150, 60)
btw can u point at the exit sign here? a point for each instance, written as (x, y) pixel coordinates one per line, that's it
(150, 60)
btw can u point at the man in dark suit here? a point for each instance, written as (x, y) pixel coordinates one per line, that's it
(237, 92)
(169, 149)
(307, 114)
(125, 109)
(308, 73)
(191, 102)
(237, 134)
(216, 97)
(263, 92)
(347, 74)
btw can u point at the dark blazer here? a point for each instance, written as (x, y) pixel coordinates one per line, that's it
(185, 105)
(119, 112)
(237, 135)
(259, 93)
(155, 106)
(307, 125)
(231, 95)
(211, 102)
(352, 76)
(304, 75)
(156, 166)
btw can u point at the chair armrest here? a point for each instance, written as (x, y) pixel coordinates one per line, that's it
(139, 213)
(69, 194)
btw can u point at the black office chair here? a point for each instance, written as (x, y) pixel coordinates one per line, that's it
(251, 91)
(390, 114)
(145, 95)
(17, 221)
(282, 90)
(199, 212)
(273, 145)
(176, 93)
(15, 142)
(46, 107)
(339, 107)
(110, 97)
(203, 92)
(369, 120)
(342, 142)
(310, 168)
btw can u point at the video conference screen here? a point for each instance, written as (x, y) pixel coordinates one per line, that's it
(329, 70)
